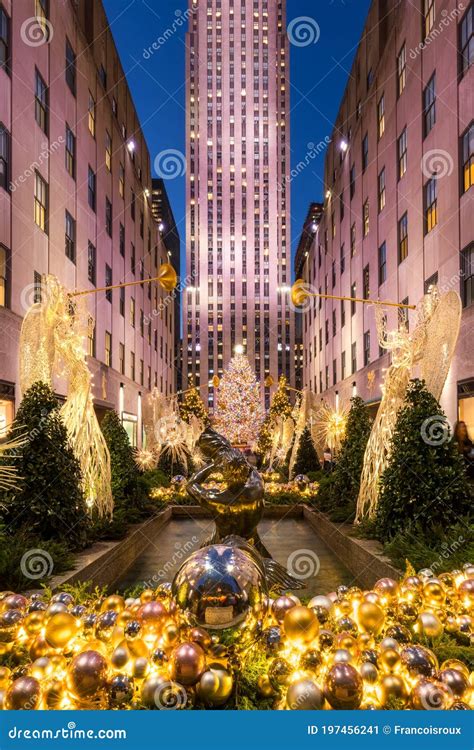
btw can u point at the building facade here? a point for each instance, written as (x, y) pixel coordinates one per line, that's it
(75, 201)
(164, 217)
(237, 193)
(398, 212)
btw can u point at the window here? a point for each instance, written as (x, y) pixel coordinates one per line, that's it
(431, 282)
(70, 237)
(122, 240)
(4, 40)
(352, 181)
(70, 68)
(132, 204)
(353, 240)
(132, 365)
(343, 258)
(366, 282)
(122, 301)
(467, 40)
(366, 348)
(402, 154)
(381, 116)
(108, 217)
(122, 358)
(382, 263)
(91, 263)
(353, 295)
(91, 192)
(381, 190)
(403, 238)
(403, 320)
(4, 277)
(70, 152)
(132, 312)
(354, 357)
(122, 181)
(401, 70)
(428, 16)
(91, 115)
(467, 275)
(37, 289)
(365, 152)
(429, 105)
(5, 142)
(103, 76)
(343, 365)
(108, 282)
(365, 218)
(108, 349)
(467, 157)
(108, 150)
(343, 313)
(431, 204)
(91, 337)
(41, 202)
(41, 102)
(41, 12)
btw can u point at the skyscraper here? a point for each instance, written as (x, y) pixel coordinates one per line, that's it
(237, 192)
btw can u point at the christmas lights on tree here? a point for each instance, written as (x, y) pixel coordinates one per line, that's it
(192, 404)
(239, 413)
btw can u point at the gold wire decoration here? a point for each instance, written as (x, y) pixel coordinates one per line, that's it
(8, 473)
(430, 348)
(283, 430)
(330, 426)
(301, 415)
(51, 345)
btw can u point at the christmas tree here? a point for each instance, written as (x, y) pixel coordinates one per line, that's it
(280, 407)
(192, 404)
(345, 488)
(306, 456)
(47, 501)
(425, 482)
(239, 413)
(127, 491)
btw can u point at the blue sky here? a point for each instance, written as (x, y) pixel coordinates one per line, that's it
(318, 77)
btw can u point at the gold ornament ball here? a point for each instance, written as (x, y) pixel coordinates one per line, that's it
(34, 622)
(5, 673)
(39, 647)
(466, 592)
(115, 603)
(61, 629)
(279, 673)
(151, 615)
(429, 624)
(147, 595)
(434, 592)
(264, 686)
(201, 637)
(343, 687)
(215, 686)
(391, 687)
(371, 617)
(457, 682)
(389, 660)
(187, 663)
(24, 694)
(170, 634)
(304, 695)
(369, 672)
(140, 668)
(153, 690)
(87, 674)
(120, 656)
(459, 666)
(301, 625)
(387, 588)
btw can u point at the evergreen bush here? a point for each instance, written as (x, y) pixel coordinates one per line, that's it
(306, 457)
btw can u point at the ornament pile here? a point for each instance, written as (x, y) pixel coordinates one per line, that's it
(350, 649)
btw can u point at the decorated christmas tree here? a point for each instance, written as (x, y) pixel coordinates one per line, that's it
(239, 413)
(425, 482)
(280, 407)
(192, 404)
(306, 456)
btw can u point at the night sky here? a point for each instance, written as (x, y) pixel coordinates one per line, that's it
(319, 73)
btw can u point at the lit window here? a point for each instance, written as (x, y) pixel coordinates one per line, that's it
(108, 150)
(91, 115)
(108, 349)
(108, 282)
(365, 220)
(468, 157)
(467, 275)
(431, 204)
(401, 70)
(381, 116)
(41, 12)
(41, 202)
(4, 277)
(381, 190)
(122, 181)
(366, 348)
(428, 16)
(402, 154)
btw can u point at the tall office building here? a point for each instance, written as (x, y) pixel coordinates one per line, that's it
(238, 192)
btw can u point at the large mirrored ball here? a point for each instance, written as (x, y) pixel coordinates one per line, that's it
(87, 674)
(343, 687)
(221, 587)
(187, 663)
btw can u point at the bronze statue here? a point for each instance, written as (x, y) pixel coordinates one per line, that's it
(238, 509)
